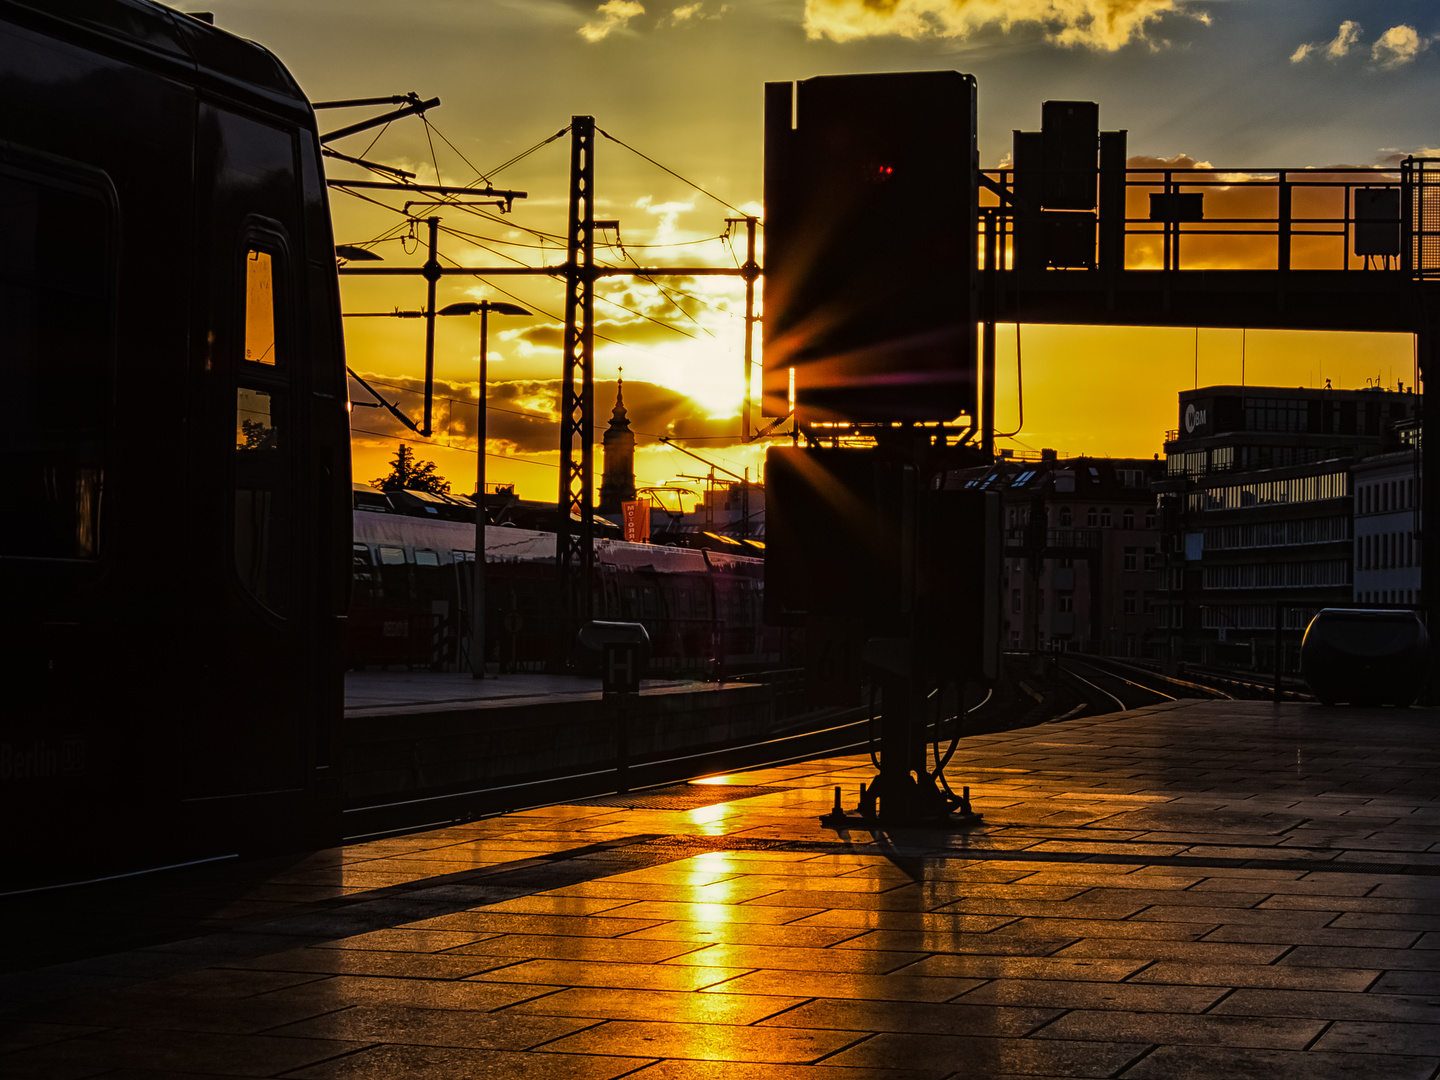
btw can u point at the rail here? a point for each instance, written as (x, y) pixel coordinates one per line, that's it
(1205, 218)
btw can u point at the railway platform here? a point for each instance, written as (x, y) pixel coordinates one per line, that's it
(1185, 890)
(387, 693)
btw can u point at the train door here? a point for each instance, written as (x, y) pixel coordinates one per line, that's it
(251, 470)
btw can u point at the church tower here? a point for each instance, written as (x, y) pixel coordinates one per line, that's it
(617, 484)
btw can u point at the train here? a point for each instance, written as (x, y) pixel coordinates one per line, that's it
(173, 665)
(703, 610)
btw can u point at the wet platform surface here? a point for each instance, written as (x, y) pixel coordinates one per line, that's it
(1204, 889)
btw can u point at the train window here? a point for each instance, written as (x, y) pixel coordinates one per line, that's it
(56, 350)
(364, 575)
(426, 558)
(262, 496)
(259, 307)
(264, 525)
(391, 556)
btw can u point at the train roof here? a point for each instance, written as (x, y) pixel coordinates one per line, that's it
(155, 37)
(507, 543)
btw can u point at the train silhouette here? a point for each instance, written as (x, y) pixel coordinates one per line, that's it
(174, 564)
(703, 609)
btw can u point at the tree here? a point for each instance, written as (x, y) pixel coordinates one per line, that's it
(406, 472)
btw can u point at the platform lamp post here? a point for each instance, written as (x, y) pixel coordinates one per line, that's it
(477, 596)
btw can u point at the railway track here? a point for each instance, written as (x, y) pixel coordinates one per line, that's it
(1110, 686)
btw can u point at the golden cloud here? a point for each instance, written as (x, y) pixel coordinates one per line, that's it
(1398, 45)
(1104, 25)
(1345, 40)
(1395, 47)
(614, 15)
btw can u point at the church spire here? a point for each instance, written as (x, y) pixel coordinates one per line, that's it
(617, 483)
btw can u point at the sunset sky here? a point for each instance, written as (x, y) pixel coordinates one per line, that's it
(1235, 83)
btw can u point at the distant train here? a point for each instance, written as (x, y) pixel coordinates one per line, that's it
(171, 667)
(702, 609)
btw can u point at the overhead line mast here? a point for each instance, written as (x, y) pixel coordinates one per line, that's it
(575, 551)
(574, 530)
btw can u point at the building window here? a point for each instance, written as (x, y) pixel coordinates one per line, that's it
(1065, 517)
(1127, 519)
(1092, 517)
(1105, 518)
(1128, 602)
(1152, 518)
(1132, 558)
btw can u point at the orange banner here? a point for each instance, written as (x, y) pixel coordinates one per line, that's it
(637, 521)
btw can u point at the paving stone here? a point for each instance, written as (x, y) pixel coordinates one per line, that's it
(21, 1035)
(825, 984)
(1209, 1062)
(1300, 935)
(1171, 1028)
(736, 1070)
(924, 921)
(428, 1062)
(181, 1013)
(483, 921)
(1328, 956)
(1143, 897)
(916, 1017)
(189, 1051)
(582, 973)
(1092, 877)
(1200, 952)
(1069, 909)
(1377, 904)
(770, 957)
(697, 933)
(368, 962)
(548, 904)
(658, 1005)
(554, 947)
(1407, 982)
(344, 991)
(434, 1027)
(1418, 1009)
(1054, 993)
(1364, 1037)
(710, 1042)
(1257, 975)
(420, 941)
(972, 1056)
(654, 910)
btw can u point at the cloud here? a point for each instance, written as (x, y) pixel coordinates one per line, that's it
(614, 15)
(695, 12)
(1398, 45)
(1394, 48)
(1095, 24)
(1345, 40)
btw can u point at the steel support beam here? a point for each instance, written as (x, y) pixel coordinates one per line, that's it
(574, 540)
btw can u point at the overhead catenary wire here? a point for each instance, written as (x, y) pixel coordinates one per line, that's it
(672, 172)
(444, 446)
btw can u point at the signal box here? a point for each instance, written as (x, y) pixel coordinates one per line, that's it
(857, 548)
(870, 247)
